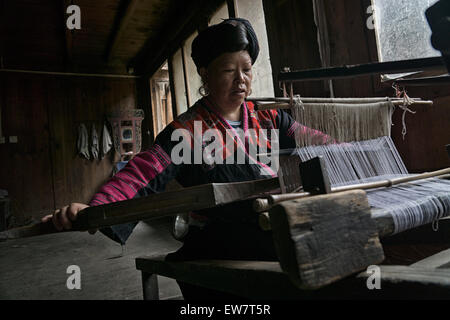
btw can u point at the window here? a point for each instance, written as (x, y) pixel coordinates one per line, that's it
(161, 99)
(402, 30)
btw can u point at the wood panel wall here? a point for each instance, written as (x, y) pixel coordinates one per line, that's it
(43, 171)
(292, 37)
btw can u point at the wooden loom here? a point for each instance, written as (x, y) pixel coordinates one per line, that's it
(324, 242)
(323, 238)
(320, 239)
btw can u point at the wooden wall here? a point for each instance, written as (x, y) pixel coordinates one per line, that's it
(428, 130)
(43, 171)
(292, 39)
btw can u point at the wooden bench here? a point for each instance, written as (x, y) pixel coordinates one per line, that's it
(426, 279)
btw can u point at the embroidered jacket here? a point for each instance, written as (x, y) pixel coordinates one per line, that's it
(149, 171)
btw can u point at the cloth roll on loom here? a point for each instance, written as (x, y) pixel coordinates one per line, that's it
(369, 155)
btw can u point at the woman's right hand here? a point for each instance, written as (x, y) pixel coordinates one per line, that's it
(62, 218)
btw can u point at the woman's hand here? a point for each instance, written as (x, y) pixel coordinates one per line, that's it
(63, 218)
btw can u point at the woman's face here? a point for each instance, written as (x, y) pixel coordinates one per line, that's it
(229, 78)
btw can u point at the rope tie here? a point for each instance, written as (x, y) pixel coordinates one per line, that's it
(407, 101)
(435, 225)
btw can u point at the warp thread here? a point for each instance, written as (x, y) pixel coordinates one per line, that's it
(411, 204)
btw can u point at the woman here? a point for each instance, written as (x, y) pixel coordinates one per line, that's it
(224, 55)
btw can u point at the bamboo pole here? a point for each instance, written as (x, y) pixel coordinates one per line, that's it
(264, 204)
(277, 105)
(331, 100)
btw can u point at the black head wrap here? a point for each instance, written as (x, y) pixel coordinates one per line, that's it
(230, 35)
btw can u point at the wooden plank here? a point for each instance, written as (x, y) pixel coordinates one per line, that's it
(173, 202)
(266, 280)
(250, 279)
(322, 239)
(154, 206)
(350, 71)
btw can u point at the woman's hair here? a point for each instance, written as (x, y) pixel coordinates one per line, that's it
(230, 35)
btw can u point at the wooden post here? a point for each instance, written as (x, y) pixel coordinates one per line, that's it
(144, 102)
(172, 87)
(186, 76)
(232, 8)
(150, 286)
(325, 238)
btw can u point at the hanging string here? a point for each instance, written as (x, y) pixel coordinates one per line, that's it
(407, 101)
(435, 225)
(344, 122)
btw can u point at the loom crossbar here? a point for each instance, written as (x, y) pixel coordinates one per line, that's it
(363, 69)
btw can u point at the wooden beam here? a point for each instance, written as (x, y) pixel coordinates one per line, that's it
(153, 206)
(178, 29)
(172, 87)
(266, 280)
(233, 11)
(348, 71)
(120, 26)
(250, 279)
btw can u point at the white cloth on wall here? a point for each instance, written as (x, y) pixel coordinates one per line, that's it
(94, 143)
(83, 141)
(106, 141)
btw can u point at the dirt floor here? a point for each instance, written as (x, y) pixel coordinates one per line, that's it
(36, 268)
